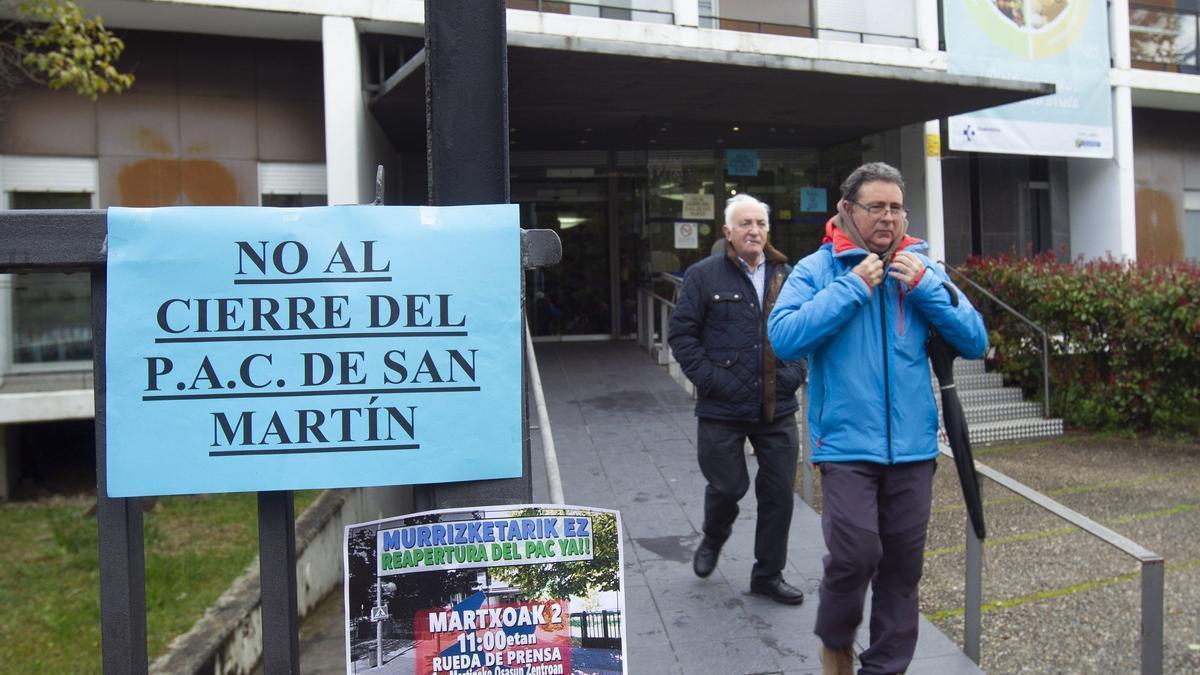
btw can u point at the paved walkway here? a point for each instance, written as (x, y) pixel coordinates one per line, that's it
(625, 436)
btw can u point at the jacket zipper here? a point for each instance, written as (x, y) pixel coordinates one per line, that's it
(887, 394)
(747, 283)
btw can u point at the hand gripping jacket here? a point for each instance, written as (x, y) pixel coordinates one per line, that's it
(719, 336)
(870, 392)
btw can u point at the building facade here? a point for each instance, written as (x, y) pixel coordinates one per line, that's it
(630, 123)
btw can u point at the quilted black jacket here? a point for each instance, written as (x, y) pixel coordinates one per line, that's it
(718, 334)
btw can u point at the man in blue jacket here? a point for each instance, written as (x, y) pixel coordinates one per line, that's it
(718, 334)
(860, 309)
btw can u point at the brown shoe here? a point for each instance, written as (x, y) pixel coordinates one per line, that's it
(837, 661)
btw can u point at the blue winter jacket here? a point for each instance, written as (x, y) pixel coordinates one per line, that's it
(870, 395)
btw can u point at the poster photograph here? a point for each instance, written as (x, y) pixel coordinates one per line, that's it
(501, 590)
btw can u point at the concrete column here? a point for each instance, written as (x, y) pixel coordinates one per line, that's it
(927, 25)
(935, 225)
(1118, 31)
(1126, 222)
(345, 122)
(6, 327)
(687, 12)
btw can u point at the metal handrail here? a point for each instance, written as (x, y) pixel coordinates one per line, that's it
(1022, 317)
(646, 301)
(549, 453)
(863, 35)
(751, 26)
(1152, 571)
(556, 7)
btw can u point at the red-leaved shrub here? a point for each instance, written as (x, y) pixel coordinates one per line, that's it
(1124, 347)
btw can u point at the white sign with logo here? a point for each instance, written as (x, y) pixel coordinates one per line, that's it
(686, 235)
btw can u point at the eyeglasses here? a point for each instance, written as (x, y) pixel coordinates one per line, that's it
(877, 210)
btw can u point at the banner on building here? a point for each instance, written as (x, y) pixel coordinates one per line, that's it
(501, 590)
(1059, 41)
(255, 349)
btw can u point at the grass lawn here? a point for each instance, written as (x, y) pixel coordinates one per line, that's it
(49, 573)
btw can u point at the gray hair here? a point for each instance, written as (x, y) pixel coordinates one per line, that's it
(867, 173)
(737, 200)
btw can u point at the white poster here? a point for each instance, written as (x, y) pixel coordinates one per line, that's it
(697, 206)
(686, 235)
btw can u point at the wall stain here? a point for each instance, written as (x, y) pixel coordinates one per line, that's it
(151, 140)
(149, 183)
(173, 181)
(207, 183)
(1159, 235)
(169, 182)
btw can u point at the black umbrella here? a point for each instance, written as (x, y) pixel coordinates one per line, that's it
(942, 355)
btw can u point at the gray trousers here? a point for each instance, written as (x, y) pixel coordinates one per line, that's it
(721, 448)
(874, 518)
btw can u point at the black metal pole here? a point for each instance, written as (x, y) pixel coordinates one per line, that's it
(466, 96)
(122, 553)
(277, 577)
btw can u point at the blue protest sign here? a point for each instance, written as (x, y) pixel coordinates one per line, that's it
(254, 349)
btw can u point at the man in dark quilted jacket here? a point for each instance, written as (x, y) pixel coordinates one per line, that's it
(718, 334)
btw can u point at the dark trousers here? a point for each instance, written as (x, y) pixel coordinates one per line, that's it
(721, 447)
(874, 518)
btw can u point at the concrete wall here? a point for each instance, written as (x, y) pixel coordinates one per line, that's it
(1167, 162)
(227, 640)
(203, 112)
(1095, 208)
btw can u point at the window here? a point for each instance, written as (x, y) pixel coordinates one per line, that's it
(290, 184)
(1191, 224)
(49, 313)
(1163, 38)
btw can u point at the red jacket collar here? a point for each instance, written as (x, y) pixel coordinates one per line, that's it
(841, 243)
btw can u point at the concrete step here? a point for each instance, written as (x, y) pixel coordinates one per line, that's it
(1002, 411)
(971, 398)
(964, 381)
(1011, 430)
(965, 367)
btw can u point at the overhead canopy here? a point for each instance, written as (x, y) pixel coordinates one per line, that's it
(588, 94)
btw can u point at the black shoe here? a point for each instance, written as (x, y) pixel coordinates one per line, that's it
(778, 590)
(705, 560)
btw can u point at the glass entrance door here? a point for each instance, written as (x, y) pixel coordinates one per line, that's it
(574, 297)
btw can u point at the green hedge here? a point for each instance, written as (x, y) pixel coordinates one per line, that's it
(1124, 338)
